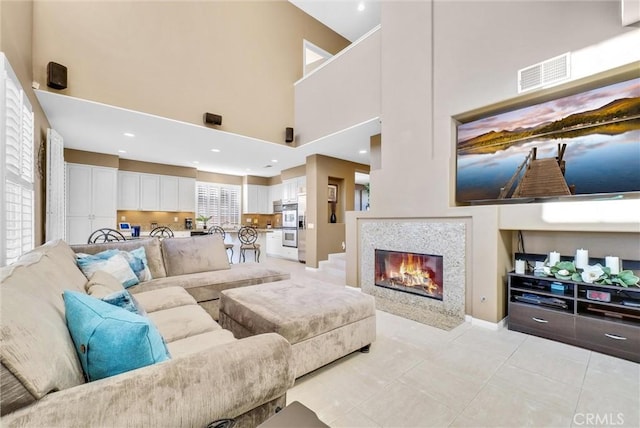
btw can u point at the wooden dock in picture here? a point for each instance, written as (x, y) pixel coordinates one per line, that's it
(542, 177)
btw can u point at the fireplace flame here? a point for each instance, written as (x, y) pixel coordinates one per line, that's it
(411, 274)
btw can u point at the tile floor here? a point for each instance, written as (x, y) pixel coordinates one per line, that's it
(421, 376)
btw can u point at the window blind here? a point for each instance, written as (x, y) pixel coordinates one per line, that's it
(55, 221)
(16, 188)
(220, 202)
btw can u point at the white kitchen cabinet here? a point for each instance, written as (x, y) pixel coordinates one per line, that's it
(91, 200)
(149, 192)
(186, 194)
(169, 193)
(275, 194)
(255, 199)
(274, 243)
(301, 184)
(128, 190)
(275, 248)
(289, 190)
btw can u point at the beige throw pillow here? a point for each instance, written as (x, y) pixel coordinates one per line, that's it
(194, 254)
(102, 284)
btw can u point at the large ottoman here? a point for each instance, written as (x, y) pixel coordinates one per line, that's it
(322, 321)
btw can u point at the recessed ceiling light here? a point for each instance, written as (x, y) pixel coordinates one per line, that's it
(215, 150)
(274, 160)
(362, 152)
(360, 6)
(122, 151)
(129, 134)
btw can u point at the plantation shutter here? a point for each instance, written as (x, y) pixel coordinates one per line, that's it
(56, 210)
(220, 202)
(16, 191)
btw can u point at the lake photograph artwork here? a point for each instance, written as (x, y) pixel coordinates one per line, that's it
(587, 143)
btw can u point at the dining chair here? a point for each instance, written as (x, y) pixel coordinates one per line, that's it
(161, 232)
(248, 236)
(105, 234)
(217, 230)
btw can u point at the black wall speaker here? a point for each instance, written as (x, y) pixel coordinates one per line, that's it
(289, 135)
(56, 76)
(212, 119)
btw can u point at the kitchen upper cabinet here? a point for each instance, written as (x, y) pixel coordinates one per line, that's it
(292, 187)
(186, 194)
(169, 193)
(275, 194)
(301, 184)
(128, 190)
(91, 200)
(289, 190)
(149, 192)
(255, 199)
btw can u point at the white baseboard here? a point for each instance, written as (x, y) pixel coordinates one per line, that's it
(495, 326)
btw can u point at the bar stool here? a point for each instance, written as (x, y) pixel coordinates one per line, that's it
(220, 231)
(105, 234)
(162, 232)
(248, 237)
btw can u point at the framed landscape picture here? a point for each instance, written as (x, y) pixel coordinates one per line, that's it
(333, 193)
(583, 144)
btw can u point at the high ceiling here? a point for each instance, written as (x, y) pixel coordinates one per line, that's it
(96, 127)
(350, 18)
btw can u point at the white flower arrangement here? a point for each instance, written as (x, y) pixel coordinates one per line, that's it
(596, 274)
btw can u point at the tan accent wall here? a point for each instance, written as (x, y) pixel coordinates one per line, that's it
(90, 158)
(297, 171)
(375, 151)
(157, 168)
(181, 59)
(16, 41)
(276, 179)
(252, 179)
(212, 177)
(326, 238)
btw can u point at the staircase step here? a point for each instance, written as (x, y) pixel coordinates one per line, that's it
(335, 265)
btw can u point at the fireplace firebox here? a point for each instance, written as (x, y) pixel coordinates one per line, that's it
(413, 273)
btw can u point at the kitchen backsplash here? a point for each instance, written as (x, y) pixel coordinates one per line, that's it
(262, 221)
(174, 220)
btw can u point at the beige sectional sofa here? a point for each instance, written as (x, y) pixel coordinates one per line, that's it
(209, 376)
(198, 264)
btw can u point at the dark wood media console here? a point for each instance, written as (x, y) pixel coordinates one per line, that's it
(602, 318)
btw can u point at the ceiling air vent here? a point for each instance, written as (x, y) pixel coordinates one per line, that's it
(544, 73)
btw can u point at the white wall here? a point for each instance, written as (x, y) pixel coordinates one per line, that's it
(343, 92)
(444, 58)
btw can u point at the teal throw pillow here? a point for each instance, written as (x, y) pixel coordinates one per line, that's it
(138, 261)
(110, 340)
(110, 261)
(124, 300)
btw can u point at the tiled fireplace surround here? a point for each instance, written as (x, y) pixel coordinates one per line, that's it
(447, 239)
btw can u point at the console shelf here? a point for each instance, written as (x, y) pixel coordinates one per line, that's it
(599, 317)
